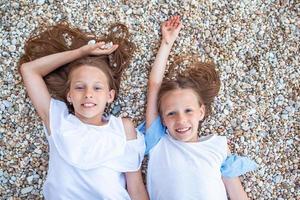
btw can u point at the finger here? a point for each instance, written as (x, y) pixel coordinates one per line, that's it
(171, 20)
(112, 49)
(179, 25)
(174, 21)
(167, 23)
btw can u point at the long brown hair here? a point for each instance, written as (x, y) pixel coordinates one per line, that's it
(199, 76)
(64, 37)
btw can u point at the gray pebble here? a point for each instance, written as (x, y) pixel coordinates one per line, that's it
(26, 190)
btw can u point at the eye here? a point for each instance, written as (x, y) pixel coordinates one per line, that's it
(171, 113)
(188, 110)
(98, 88)
(79, 87)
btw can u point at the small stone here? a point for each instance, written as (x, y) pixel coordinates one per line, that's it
(12, 48)
(259, 160)
(7, 104)
(15, 5)
(29, 179)
(107, 45)
(92, 42)
(26, 190)
(116, 109)
(252, 98)
(21, 24)
(226, 112)
(245, 126)
(129, 11)
(278, 179)
(207, 49)
(228, 69)
(285, 116)
(38, 151)
(40, 2)
(207, 33)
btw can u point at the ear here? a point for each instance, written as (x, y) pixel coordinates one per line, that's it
(202, 112)
(69, 97)
(111, 96)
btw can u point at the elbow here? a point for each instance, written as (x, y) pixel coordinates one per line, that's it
(23, 69)
(26, 70)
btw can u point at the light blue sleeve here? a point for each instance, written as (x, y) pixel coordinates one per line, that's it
(235, 166)
(153, 133)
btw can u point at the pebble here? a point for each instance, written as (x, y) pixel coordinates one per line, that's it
(26, 190)
(40, 2)
(278, 179)
(12, 48)
(259, 160)
(91, 42)
(7, 104)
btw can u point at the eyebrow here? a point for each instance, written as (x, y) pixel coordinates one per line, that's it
(98, 82)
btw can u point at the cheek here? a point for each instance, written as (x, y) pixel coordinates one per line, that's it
(168, 123)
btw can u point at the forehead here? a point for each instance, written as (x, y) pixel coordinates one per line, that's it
(178, 98)
(88, 73)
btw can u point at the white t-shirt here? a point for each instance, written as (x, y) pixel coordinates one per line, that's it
(86, 161)
(187, 171)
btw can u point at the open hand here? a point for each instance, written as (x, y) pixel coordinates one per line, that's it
(171, 28)
(98, 48)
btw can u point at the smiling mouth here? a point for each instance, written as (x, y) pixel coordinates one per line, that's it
(182, 130)
(88, 105)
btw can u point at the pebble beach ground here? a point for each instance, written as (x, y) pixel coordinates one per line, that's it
(255, 45)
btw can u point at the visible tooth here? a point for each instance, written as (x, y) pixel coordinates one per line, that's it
(182, 129)
(88, 104)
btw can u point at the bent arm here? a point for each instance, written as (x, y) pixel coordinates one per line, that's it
(33, 72)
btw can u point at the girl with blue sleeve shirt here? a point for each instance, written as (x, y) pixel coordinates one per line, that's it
(181, 164)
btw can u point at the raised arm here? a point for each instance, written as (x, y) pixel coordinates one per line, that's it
(170, 31)
(33, 72)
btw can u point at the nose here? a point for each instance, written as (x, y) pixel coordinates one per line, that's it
(181, 118)
(88, 93)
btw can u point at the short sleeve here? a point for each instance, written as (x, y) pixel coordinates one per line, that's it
(132, 158)
(235, 165)
(153, 134)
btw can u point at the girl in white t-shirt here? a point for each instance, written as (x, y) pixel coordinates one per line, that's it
(181, 165)
(91, 156)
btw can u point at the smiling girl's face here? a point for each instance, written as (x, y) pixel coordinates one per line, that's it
(181, 112)
(89, 93)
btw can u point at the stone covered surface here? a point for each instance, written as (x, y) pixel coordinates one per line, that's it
(255, 45)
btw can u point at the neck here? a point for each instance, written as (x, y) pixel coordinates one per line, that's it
(96, 121)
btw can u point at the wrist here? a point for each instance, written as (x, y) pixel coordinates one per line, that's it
(80, 52)
(167, 42)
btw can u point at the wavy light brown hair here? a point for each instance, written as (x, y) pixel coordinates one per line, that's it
(64, 37)
(201, 77)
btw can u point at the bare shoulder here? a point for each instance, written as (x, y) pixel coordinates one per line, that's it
(129, 129)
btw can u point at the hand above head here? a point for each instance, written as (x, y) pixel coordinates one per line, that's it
(170, 29)
(99, 48)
